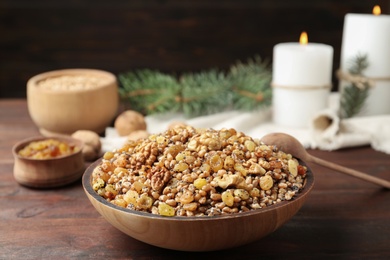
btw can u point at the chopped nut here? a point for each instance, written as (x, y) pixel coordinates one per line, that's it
(256, 169)
(228, 180)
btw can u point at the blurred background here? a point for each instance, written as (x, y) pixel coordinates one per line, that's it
(173, 36)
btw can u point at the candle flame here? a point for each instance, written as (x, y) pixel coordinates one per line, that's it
(376, 10)
(303, 40)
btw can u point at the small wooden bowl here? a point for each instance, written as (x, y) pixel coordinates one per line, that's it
(197, 233)
(60, 109)
(48, 173)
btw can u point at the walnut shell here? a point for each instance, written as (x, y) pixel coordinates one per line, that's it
(138, 134)
(92, 145)
(176, 124)
(128, 122)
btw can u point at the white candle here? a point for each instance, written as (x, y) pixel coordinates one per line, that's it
(301, 79)
(368, 34)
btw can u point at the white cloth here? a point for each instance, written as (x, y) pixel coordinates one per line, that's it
(326, 132)
(330, 133)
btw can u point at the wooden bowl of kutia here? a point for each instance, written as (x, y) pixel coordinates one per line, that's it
(67, 100)
(193, 189)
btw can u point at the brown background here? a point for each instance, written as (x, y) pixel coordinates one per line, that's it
(173, 36)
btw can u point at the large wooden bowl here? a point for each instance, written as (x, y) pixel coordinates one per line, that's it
(51, 172)
(196, 233)
(64, 111)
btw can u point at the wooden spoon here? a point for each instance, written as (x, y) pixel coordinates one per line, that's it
(289, 144)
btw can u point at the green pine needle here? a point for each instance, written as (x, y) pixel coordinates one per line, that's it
(250, 84)
(149, 91)
(204, 93)
(352, 98)
(244, 87)
(358, 64)
(352, 101)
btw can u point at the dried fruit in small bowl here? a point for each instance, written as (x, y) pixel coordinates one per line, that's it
(47, 148)
(42, 162)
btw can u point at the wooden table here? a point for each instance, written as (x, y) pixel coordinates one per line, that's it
(344, 217)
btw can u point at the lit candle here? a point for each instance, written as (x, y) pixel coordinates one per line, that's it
(301, 80)
(369, 34)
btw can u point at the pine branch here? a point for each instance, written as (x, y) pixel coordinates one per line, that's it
(352, 101)
(204, 93)
(245, 86)
(358, 64)
(149, 91)
(354, 95)
(250, 84)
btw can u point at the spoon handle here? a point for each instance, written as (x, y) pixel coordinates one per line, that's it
(352, 172)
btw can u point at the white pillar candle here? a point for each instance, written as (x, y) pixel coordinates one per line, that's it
(301, 80)
(368, 34)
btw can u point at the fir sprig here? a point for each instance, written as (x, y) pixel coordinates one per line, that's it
(150, 91)
(250, 84)
(204, 93)
(246, 86)
(354, 95)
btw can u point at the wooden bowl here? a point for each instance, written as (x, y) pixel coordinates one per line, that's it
(58, 105)
(196, 233)
(48, 173)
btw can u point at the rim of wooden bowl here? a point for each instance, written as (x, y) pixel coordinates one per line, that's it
(33, 81)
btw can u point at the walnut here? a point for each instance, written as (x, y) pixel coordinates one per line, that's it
(138, 134)
(92, 145)
(157, 181)
(175, 124)
(231, 180)
(256, 169)
(128, 122)
(160, 178)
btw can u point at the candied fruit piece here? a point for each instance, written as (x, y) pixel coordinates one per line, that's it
(199, 183)
(228, 198)
(131, 197)
(302, 170)
(293, 167)
(108, 155)
(165, 210)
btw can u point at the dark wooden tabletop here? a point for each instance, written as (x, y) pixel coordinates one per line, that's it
(343, 217)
